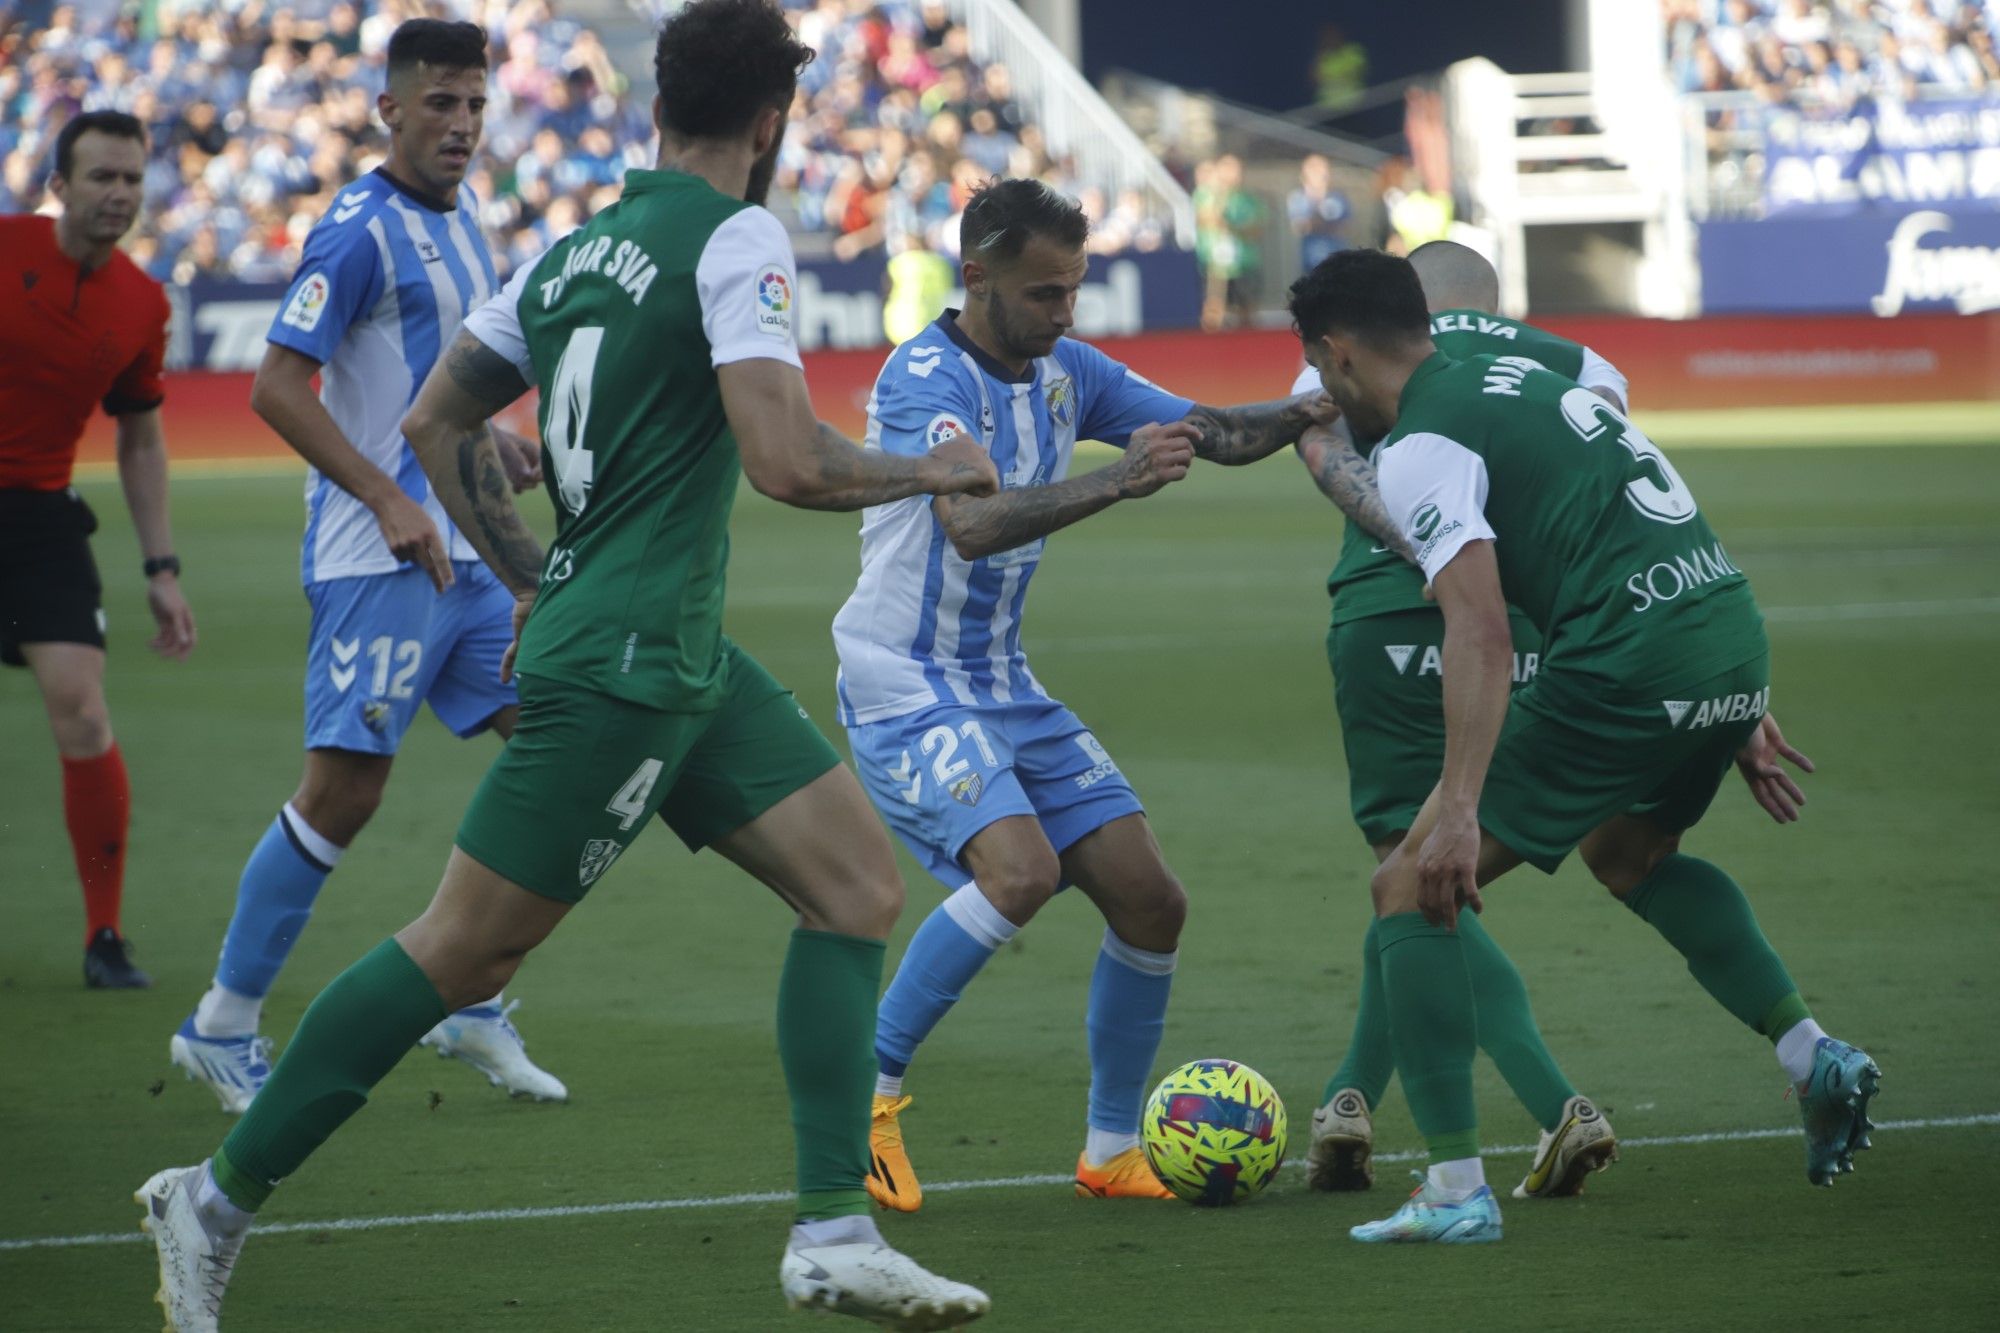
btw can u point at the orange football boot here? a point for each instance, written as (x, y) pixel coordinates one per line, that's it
(1126, 1176)
(891, 1182)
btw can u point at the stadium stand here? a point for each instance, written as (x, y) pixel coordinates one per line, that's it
(1832, 51)
(260, 111)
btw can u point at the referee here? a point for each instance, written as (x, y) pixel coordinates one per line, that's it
(80, 324)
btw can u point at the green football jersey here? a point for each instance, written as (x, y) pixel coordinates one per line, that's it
(622, 325)
(1370, 580)
(1599, 541)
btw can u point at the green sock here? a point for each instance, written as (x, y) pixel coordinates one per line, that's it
(365, 1021)
(1369, 1063)
(1702, 912)
(1507, 1031)
(826, 1042)
(1432, 1029)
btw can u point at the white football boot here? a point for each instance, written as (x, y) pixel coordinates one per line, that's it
(868, 1280)
(483, 1038)
(1582, 1142)
(1343, 1144)
(195, 1262)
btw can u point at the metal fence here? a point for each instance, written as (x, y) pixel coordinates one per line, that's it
(1074, 119)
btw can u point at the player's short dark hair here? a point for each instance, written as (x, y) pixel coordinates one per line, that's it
(720, 62)
(114, 123)
(1367, 293)
(439, 42)
(1003, 214)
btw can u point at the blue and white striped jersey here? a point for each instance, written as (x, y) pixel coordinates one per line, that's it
(384, 283)
(925, 626)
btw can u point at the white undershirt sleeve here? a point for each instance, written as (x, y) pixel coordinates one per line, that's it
(497, 323)
(1435, 489)
(1597, 373)
(749, 291)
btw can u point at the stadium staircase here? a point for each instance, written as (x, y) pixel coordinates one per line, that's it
(1595, 148)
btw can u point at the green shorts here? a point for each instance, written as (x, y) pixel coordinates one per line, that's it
(1566, 762)
(584, 773)
(1388, 688)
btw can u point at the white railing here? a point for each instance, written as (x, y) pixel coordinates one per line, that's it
(1073, 118)
(1618, 161)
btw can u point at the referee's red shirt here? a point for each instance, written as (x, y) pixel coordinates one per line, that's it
(69, 340)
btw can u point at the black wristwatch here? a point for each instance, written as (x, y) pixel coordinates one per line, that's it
(163, 564)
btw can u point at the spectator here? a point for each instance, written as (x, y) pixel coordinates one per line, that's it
(260, 111)
(1229, 226)
(1129, 225)
(1318, 212)
(920, 282)
(1340, 68)
(1417, 215)
(987, 144)
(996, 92)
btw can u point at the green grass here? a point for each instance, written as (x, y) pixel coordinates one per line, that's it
(1187, 630)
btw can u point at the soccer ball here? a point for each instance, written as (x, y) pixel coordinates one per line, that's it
(1214, 1132)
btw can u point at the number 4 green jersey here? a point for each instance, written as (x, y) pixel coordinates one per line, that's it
(1369, 580)
(622, 325)
(1598, 539)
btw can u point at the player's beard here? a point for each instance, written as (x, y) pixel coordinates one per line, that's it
(762, 171)
(1000, 318)
(1362, 419)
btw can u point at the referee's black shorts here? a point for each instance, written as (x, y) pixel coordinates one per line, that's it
(49, 589)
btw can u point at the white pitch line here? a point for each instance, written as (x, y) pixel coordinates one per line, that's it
(1946, 606)
(135, 1237)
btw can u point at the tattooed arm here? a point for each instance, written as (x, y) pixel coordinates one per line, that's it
(1235, 435)
(797, 459)
(447, 429)
(1346, 478)
(1156, 456)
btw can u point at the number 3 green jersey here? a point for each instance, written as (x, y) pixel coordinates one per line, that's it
(622, 324)
(1369, 580)
(1598, 539)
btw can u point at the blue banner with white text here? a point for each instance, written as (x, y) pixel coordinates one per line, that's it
(1934, 152)
(1885, 261)
(220, 325)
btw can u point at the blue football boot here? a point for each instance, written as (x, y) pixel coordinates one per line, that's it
(1429, 1216)
(1834, 1104)
(234, 1068)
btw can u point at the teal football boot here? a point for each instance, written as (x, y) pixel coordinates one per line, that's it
(1429, 1216)
(1834, 1104)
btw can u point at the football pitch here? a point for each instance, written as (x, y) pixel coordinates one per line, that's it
(1188, 631)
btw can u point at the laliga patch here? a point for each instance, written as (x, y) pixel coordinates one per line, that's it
(308, 303)
(774, 303)
(943, 426)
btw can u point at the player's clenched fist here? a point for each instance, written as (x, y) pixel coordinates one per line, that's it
(1156, 456)
(964, 468)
